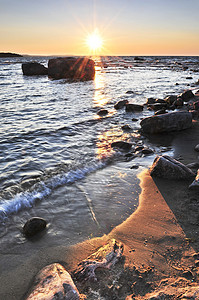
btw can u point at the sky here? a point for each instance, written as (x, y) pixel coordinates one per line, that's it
(127, 27)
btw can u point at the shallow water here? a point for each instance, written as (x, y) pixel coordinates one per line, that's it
(55, 151)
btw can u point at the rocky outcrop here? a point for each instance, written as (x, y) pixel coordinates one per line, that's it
(34, 226)
(167, 167)
(34, 68)
(54, 282)
(81, 68)
(173, 121)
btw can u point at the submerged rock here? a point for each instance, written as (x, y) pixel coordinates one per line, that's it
(81, 68)
(167, 167)
(120, 104)
(173, 121)
(130, 107)
(54, 282)
(34, 226)
(122, 145)
(34, 68)
(102, 112)
(187, 95)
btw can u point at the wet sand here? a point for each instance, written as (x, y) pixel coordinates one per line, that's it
(160, 241)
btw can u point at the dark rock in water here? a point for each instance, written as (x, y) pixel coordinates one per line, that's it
(134, 167)
(160, 112)
(167, 167)
(139, 58)
(160, 101)
(185, 68)
(150, 101)
(81, 68)
(8, 54)
(135, 120)
(129, 92)
(173, 121)
(196, 148)
(34, 226)
(196, 105)
(187, 95)
(122, 145)
(170, 99)
(134, 107)
(138, 148)
(147, 151)
(34, 68)
(157, 106)
(120, 104)
(54, 282)
(189, 77)
(126, 127)
(178, 102)
(102, 112)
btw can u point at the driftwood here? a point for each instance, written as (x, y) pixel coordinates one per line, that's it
(106, 257)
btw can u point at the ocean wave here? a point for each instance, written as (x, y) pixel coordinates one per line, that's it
(43, 189)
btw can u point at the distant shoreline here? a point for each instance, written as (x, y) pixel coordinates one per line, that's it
(9, 54)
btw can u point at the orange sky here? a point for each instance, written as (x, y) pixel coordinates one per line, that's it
(136, 27)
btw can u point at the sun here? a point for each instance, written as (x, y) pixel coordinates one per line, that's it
(94, 41)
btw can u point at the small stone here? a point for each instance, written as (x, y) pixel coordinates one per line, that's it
(134, 167)
(102, 112)
(122, 145)
(34, 226)
(135, 120)
(196, 148)
(189, 77)
(161, 112)
(147, 151)
(130, 107)
(120, 104)
(126, 127)
(129, 92)
(150, 101)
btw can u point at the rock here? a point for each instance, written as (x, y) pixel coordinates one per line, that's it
(167, 167)
(150, 101)
(157, 106)
(187, 274)
(34, 68)
(8, 54)
(160, 101)
(187, 95)
(178, 102)
(81, 68)
(196, 105)
(195, 183)
(102, 112)
(122, 145)
(120, 104)
(34, 226)
(189, 77)
(195, 114)
(193, 166)
(126, 127)
(130, 107)
(105, 257)
(129, 92)
(170, 99)
(139, 58)
(147, 151)
(54, 282)
(135, 120)
(161, 112)
(173, 121)
(196, 148)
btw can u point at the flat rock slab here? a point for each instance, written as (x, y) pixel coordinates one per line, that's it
(173, 121)
(54, 282)
(167, 167)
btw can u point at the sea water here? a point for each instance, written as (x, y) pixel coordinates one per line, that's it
(56, 159)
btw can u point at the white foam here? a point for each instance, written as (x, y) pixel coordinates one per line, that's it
(27, 199)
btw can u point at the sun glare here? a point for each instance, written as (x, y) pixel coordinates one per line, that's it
(94, 41)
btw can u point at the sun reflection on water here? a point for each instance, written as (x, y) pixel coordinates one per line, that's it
(105, 139)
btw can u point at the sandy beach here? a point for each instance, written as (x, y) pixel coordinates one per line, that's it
(160, 243)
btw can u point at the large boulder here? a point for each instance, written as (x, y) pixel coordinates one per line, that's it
(34, 226)
(81, 68)
(53, 282)
(173, 121)
(34, 68)
(167, 167)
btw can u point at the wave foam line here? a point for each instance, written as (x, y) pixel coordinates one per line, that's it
(27, 199)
